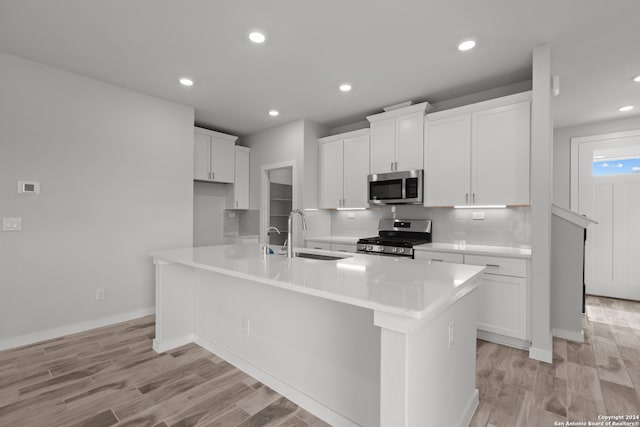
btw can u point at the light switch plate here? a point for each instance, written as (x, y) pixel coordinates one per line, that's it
(11, 224)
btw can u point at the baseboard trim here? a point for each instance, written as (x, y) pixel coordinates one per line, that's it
(162, 346)
(504, 340)
(74, 328)
(301, 399)
(470, 409)
(568, 335)
(541, 354)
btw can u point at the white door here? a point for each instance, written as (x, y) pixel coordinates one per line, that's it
(409, 141)
(500, 155)
(356, 168)
(609, 192)
(222, 160)
(383, 134)
(331, 175)
(201, 157)
(447, 162)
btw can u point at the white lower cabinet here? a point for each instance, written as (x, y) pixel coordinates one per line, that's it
(336, 247)
(502, 295)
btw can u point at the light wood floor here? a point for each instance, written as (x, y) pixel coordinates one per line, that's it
(111, 376)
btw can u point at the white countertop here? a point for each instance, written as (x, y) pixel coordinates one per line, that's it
(408, 288)
(333, 239)
(461, 248)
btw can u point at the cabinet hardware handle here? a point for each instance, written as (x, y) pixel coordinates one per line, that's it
(213, 176)
(316, 247)
(466, 197)
(437, 260)
(493, 265)
(342, 250)
(236, 203)
(391, 165)
(474, 197)
(396, 163)
(344, 202)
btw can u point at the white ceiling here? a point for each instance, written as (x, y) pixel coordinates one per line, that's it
(391, 51)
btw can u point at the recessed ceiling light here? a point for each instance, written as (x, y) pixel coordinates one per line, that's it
(273, 113)
(636, 79)
(345, 87)
(626, 108)
(186, 82)
(466, 45)
(257, 37)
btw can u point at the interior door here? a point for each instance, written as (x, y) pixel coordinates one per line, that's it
(609, 192)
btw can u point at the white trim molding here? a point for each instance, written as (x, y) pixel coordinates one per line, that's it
(568, 335)
(74, 328)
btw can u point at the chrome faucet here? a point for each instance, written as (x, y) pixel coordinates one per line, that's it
(267, 240)
(290, 230)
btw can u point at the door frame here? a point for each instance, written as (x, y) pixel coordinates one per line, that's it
(575, 163)
(264, 193)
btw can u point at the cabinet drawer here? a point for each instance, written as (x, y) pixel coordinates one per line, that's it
(343, 247)
(439, 256)
(319, 245)
(497, 265)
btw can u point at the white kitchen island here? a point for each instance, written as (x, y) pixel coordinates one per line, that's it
(364, 340)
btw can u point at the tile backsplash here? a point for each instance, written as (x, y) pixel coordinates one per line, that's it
(500, 227)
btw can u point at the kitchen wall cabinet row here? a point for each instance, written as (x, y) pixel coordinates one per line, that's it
(216, 158)
(344, 166)
(479, 154)
(502, 300)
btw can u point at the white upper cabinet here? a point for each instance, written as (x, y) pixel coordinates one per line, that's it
(239, 195)
(214, 156)
(344, 166)
(500, 154)
(447, 161)
(479, 154)
(397, 139)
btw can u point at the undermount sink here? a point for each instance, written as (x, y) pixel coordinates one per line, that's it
(320, 256)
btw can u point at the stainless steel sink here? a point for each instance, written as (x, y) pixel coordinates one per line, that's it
(320, 256)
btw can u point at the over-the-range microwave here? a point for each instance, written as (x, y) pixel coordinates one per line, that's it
(392, 188)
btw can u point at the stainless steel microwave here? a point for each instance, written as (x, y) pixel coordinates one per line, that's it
(392, 188)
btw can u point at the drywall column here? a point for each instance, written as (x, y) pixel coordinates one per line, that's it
(541, 174)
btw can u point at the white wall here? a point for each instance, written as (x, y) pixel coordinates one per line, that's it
(115, 169)
(209, 199)
(562, 151)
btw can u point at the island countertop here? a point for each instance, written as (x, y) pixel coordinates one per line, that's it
(393, 285)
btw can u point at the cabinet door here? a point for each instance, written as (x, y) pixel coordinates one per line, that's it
(241, 184)
(343, 247)
(447, 162)
(501, 153)
(409, 141)
(222, 160)
(326, 246)
(502, 305)
(201, 157)
(356, 168)
(383, 134)
(331, 174)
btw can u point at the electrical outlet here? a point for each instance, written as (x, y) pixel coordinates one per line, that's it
(100, 294)
(452, 326)
(246, 326)
(11, 224)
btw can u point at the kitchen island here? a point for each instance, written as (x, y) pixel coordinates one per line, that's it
(362, 340)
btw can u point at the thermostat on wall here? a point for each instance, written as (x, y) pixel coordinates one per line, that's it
(28, 187)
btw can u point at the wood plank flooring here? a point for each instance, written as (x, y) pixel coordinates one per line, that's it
(111, 376)
(598, 377)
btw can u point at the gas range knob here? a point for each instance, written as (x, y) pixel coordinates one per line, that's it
(401, 250)
(394, 250)
(369, 247)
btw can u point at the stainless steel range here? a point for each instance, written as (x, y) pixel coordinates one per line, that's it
(397, 237)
